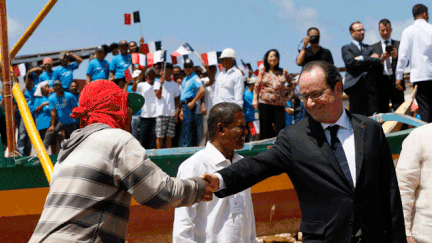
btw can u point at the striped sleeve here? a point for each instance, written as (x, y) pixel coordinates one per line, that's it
(149, 185)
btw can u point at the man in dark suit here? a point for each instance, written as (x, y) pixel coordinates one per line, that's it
(339, 163)
(361, 62)
(387, 49)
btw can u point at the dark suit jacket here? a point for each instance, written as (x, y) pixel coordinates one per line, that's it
(378, 49)
(328, 203)
(355, 70)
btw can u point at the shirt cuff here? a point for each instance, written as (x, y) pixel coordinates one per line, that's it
(361, 58)
(221, 181)
(399, 76)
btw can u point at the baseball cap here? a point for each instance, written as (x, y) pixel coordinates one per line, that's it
(136, 73)
(188, 62)
(135, 102)
(100, 48)
(47, 60)
(57, 82)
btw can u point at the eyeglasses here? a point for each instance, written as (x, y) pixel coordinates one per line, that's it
(360, 30)
(316, 95)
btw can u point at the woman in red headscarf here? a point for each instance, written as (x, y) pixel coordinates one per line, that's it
(98, 170)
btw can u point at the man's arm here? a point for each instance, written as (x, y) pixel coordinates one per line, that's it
(88, 78)
(159, 91)
(405, 51)
(249, 171)
(302, 54)
(200, 94)
(34, 70)
(53, 120)
(408, 175)
(351, 61)
(77, 58)
(239, 91)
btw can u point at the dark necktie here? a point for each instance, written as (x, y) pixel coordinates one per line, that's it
(361, 47)
(339, 153)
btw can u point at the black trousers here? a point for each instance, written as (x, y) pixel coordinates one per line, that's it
(387, 91)
(271, 114)
(363, 96)
(424, 100)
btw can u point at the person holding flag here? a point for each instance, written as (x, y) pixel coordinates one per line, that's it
(120, 62)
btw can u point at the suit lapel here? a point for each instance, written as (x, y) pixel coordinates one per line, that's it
(355, 47)
(316, 134)
(359, 141)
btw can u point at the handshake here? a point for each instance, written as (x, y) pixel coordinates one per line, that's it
(212, 185)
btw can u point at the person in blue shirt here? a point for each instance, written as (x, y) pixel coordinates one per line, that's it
(41, 109)
(193, 90)
(120, 62)
(23, 143)
(74, 89)
(61, 104)
(98, 68)
(64, 72)
(48, 73)
(248, 109)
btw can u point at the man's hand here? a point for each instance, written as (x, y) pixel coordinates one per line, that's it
(181, 114)
(399, 84)
(410, 239)
(394, 53)
(212, 181)
(255, 104)
(289, 110)
(375, 55)
(358, 58)
(385, 56)
(191, 105)
(141, 40)
(203, 109)
(51, 128)
(306, 41)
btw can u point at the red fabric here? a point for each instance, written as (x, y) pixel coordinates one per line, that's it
(102, 101)
(127, 19)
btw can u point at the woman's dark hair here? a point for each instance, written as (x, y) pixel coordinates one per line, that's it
(267, 65)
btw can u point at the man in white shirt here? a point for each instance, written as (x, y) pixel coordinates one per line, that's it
(229, 219)
(167, 108)
(229, 86)
(148, 111)
(416, 48)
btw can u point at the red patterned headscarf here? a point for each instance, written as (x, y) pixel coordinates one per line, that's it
(102, 101)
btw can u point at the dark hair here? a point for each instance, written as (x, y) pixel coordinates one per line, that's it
(29, 76)
(419, 9)
(312, 28)
(385, 22)
(118, 80)
(351, 26)
(113, 46)
(221, 113)
(267, 65)
(177, 67)
(74, 81)
(169, 65)
(248, 65)
(331, 72)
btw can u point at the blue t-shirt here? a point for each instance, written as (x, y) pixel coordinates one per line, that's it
(288, 117)
(190, 85)
(65, 74)
(119, 64)
(47, 77)
(29, 97)
(63, 106)
(98, 69)
(248, 109)
(43, 118)
(36, 79)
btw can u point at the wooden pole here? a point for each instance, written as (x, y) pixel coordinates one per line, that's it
(32, 28)
(7, 83)
(141, 30)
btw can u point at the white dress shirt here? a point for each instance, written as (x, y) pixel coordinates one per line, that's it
(414, 174)
(229, 87)
(416, 47)
(345, 135)
(229, 219)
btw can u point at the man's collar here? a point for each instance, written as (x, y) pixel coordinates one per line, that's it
(418, 21)
(192, 74)
(355, 42)
(343, 121)
(383, 41)
(216, 157)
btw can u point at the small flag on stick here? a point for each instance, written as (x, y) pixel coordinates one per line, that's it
(155, 57)
(19, 70)
(136, 17)
(178, 59)
(211, 58)
(151, 47)
(128, 18)
(140, 59)
(128, 73)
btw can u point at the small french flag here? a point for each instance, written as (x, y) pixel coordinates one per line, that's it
(260, 66)
(19, 70)
(128, 18)
(155, 57)
(128, 73)
(185, 49)
(178, 59)
(211, 58)
(140, 59)
(151, 47)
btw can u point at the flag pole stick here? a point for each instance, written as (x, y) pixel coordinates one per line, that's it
(196, 53)
(141, 30)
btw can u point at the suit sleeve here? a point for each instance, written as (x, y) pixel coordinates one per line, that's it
(350, 62)
(392, 204)
(408, 173)
(249, 171)
(372, 61)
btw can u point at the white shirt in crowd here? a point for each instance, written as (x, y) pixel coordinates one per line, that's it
(416, 47)
(229, 87)
(229, 219)
(149, 92)
(208, 97)
(165, 106)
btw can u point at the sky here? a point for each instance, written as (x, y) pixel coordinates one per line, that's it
(250, 27)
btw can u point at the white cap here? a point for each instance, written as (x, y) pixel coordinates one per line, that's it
(136, 73)
(228, 53)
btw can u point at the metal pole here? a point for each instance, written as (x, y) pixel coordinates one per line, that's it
(7, 83)
(31, 28)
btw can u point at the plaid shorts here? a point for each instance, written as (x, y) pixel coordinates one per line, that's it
(165, 126)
